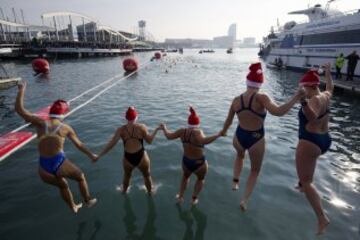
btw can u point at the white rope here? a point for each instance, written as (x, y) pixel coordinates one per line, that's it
(86, 92)
(77, 107)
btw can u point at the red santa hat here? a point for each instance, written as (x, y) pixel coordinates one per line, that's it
(58, 109)
(311, 78)
(193, 119)
(131, 114)
(255, 77)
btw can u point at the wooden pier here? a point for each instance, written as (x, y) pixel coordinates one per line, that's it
(349, 86)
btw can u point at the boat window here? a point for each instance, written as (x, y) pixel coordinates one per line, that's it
(351, 36)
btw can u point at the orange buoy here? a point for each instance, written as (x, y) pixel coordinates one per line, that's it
(40, 65)
(157, 55)
(130, 64)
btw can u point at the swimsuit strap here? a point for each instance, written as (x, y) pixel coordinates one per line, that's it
(47, 130)
(250, 102)
(242, 102)
(131, 136)
(242, 107)
(46, 127)
(325, 113)
(187, 140)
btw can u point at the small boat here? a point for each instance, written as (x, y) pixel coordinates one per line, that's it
(171, 50)
(229, 51)
(6, 81)
(207, 51)
(275, 66)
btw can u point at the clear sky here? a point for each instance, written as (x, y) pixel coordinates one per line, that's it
(180, 18)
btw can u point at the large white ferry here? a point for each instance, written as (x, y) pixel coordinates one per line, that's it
(326, 34)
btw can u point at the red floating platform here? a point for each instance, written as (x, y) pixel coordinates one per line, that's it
(11, 142)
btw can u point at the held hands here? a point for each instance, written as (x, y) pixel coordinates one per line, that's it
(222, 133)
(300, 93)
(94, 157)
(162, 126)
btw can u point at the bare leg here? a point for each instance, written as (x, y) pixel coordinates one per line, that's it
(70, 170)
(200, 173)
(63, 186)
(144, 167)
(238, 163)
(306, 156)
(256, 153)
(183, 184)
(128, 168)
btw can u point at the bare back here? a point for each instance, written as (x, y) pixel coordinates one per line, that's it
(50, 142)
(247, 118)
(320, 125)
(132, 135)
(192, 147)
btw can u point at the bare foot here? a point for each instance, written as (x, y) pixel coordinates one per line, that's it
(121, 189)
(323, 223)
(194, 200)
(76, 207)
(235, 184)
(91, 202)
(243, 206)
(179, 199)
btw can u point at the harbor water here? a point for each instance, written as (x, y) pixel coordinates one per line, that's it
(30, 209)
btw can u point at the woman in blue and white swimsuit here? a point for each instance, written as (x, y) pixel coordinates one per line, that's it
(250, 108)
(194, 161)
(55, 167)
(314, 138)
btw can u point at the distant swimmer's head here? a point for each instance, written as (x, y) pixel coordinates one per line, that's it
(255, 78)
(58, 109)
(131, 114)
(193, 119)
(310, 79)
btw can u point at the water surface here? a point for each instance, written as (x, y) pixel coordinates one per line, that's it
(209, 82)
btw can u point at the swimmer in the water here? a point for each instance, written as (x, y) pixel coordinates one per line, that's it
(194, 161)
(54, 164)
(250, 108)
(314, 138)
(133, 135)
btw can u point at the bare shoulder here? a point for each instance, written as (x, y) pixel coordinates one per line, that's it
(262, 97)
(141, 126)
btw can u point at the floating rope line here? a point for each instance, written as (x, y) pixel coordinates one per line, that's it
(22, 144)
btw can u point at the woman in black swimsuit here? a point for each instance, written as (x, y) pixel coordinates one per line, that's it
(251, 108)
(133, 135)
(194, 161)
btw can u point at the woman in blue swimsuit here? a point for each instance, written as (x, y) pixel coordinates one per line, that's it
(133, 135)
(314, 138)
(250, 108)
(194, 161)
(54, 166)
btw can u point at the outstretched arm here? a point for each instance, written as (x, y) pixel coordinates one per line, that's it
(79, 145)
(329, 81)
(116, 137)
(20, 109)
(281, 110)
(228, 121)
(150, 137)
(170, 135)
(206, 140)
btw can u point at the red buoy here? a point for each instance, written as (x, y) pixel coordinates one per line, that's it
(130, 64)
(157, 55)
(40, 65)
